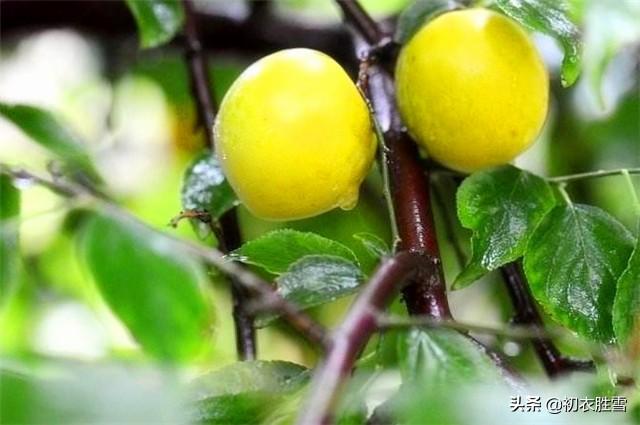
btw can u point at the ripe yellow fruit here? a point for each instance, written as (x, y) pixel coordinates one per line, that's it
(294, 136)
(472, 89)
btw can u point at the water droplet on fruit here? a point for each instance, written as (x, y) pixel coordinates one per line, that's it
(349, 200)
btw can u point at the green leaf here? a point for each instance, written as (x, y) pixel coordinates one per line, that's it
(374, 245)
(419, 13)
(149, 285)
(158, 20)
(502, 207)
(251, 376)
(278, 249)
(318, 279)
(315, 280)
(573, 261)
(550, 17)
(205, 187)
(444, 357)
(626, 305)
(437, 365)
(47, 131)
(9, 245)
(238, 409)
(246, 392)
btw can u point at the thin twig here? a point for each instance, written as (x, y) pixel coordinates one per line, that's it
(448, 217)
(228, 233)
(526, 313)
(199, 76)
(593, 174)
(349, 339)
(273, 302)
(386, 323)
(361, 21)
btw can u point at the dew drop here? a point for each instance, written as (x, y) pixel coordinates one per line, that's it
(349, 200)
(23, 182)
(511, 349)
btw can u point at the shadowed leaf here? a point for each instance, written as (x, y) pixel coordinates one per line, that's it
(278, 249)
(502, 207)
(9, 224)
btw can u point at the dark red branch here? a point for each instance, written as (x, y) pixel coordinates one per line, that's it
(350, 338)
(228, 234)
(410, 193)
(198, 73)
(526, 313)
(361, 21)
(411, 200)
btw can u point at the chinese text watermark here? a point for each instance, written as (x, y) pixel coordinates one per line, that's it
(556, 405)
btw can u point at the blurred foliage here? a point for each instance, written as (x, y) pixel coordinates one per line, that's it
(158, 20)
(9, 254)
(150, 287)
(43, 128)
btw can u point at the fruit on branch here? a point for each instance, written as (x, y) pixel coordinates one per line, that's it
(294, 136)
(472, 89)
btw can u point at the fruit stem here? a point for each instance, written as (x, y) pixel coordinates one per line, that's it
(563, 191)
(228, 233)
(632, 191)
(593, 174)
